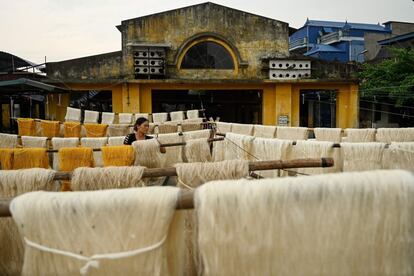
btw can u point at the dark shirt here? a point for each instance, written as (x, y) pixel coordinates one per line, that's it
(130, 138)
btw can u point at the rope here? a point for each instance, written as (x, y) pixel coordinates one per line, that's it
(93, 261)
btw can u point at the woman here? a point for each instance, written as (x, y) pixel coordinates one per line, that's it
(141, 128)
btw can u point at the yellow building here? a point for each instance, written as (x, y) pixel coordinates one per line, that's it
(234, 64)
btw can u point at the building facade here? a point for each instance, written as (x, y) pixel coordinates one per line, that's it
(340, 41)
(212, 57)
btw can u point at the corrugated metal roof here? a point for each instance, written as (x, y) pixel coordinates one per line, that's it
(8, 62)
(323, 48)
(23, 84)
(335, 24)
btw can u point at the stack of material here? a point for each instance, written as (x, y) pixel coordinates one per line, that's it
(362, 156)
(125, 118)
(238, 147)
(135, 241)
(147, 153)
(271, 149)
(328, 134)
(34, 142)
(399, 155)
(192, 175)
(388, 135)
(197, 150)
(50, 129)
(118, 130)
(73, 158)
(58, 143)
(173, 155)
(6, 158)
(88, 179)
(26, 126)
(30, 158)
(317, 149)
(73, 114)
(192, 114)
(159, 117)
(292, 133)
(356, 135)
(186, 126)
(116, 141)
(166, 128)
(95, 130)
(242, 129)
(196, 120)
(8, 140)
(118, 156)
(177, 115)
(108, 118)
(95, 143)
(71, 129)
(219, 150)
(337, 224)
(264, 131)
(91, 117)
(12, 184)
(197, 134)
(224, 127)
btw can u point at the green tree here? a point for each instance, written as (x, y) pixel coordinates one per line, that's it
(392, 77)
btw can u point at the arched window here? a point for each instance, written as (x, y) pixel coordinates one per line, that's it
(207, 55)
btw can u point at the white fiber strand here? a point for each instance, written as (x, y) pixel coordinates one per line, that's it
(339, 224)
(87, 179)
(8, 140)
(360, 135)
(131, 242)
(12, 184)
(362, 156)
(91, 117)
(292, 133)
(34, 142)
(328, 134)
(264, 131)
(197, 150)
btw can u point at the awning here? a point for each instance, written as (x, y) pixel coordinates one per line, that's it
(28, 86)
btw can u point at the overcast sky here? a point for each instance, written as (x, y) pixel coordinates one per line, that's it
(66, 29)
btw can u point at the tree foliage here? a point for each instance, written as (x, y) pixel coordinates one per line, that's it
(392, 77)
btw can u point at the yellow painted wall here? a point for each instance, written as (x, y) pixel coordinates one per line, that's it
(278, 98)
(269, 106)
(284, 101)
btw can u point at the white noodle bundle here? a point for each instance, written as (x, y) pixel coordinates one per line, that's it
(337, 224)
(87, 179)
(108, 232)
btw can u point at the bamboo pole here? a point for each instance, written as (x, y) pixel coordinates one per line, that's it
(253, 166)
(186, 197)
(161, 145)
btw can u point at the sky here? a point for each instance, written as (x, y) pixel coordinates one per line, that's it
(67, 29)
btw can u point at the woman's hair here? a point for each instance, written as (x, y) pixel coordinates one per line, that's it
(139, 122)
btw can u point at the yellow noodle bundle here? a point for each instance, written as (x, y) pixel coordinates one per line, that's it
(71, 129)
(27, 127)
(95, 130)
(50, 129)
(118, 156)
(72, 158)
(6, 159)
(30, 158)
